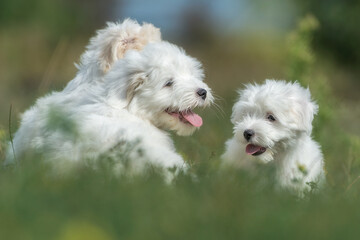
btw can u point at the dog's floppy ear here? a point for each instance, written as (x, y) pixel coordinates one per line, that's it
(136, 80)
(112, 42)
(303, 112)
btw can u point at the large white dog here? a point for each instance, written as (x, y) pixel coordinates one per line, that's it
(129, 89)
(273, 124)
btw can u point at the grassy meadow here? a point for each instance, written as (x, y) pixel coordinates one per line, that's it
(93, 204)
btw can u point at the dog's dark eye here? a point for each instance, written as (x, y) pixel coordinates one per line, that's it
(271, 118)
(169, 83)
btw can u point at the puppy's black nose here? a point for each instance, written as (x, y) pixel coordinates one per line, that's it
(248, 134)
(202, 93)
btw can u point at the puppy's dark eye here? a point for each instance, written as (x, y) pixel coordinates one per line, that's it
(169, 83)
(271, 118)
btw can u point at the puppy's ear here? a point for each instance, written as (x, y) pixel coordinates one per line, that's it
(136, 80)
(303, 113)
(111, 43)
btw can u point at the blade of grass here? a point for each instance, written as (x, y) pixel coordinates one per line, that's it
(10, 133)
(351, 184)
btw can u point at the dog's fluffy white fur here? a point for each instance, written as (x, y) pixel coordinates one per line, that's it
(129, 89)
(273, 124)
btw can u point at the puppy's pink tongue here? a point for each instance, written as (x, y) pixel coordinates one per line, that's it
(251, 149)
(193, 118)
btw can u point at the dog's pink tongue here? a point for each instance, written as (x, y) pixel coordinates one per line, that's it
(193, 118)
(251, 149)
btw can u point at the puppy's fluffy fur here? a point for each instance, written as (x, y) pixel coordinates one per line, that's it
(130, 87)
(273, 124)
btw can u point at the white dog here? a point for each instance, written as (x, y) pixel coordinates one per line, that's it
(273, 124)
(131, 86)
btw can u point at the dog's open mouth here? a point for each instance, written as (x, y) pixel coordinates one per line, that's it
(187, 116)
(254, 150)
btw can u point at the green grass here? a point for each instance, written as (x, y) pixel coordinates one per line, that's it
(228, 204)
(220, 205)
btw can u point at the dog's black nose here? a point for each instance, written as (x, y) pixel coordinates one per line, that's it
(202, 93)
(248, 134)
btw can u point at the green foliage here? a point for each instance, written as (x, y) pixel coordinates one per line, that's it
(301, 58)
(339, 35)
(219, 205)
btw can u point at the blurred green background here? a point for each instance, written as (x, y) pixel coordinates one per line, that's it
(238, 41)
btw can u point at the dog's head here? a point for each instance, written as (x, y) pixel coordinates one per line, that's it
(161, 84)
(112, 42)
(268, 118)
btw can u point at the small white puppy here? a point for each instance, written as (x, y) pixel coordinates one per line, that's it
(130, 87)
(273, 124)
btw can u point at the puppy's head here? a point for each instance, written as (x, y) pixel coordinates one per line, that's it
(112, 42)
(268, 118)
(163, 85)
